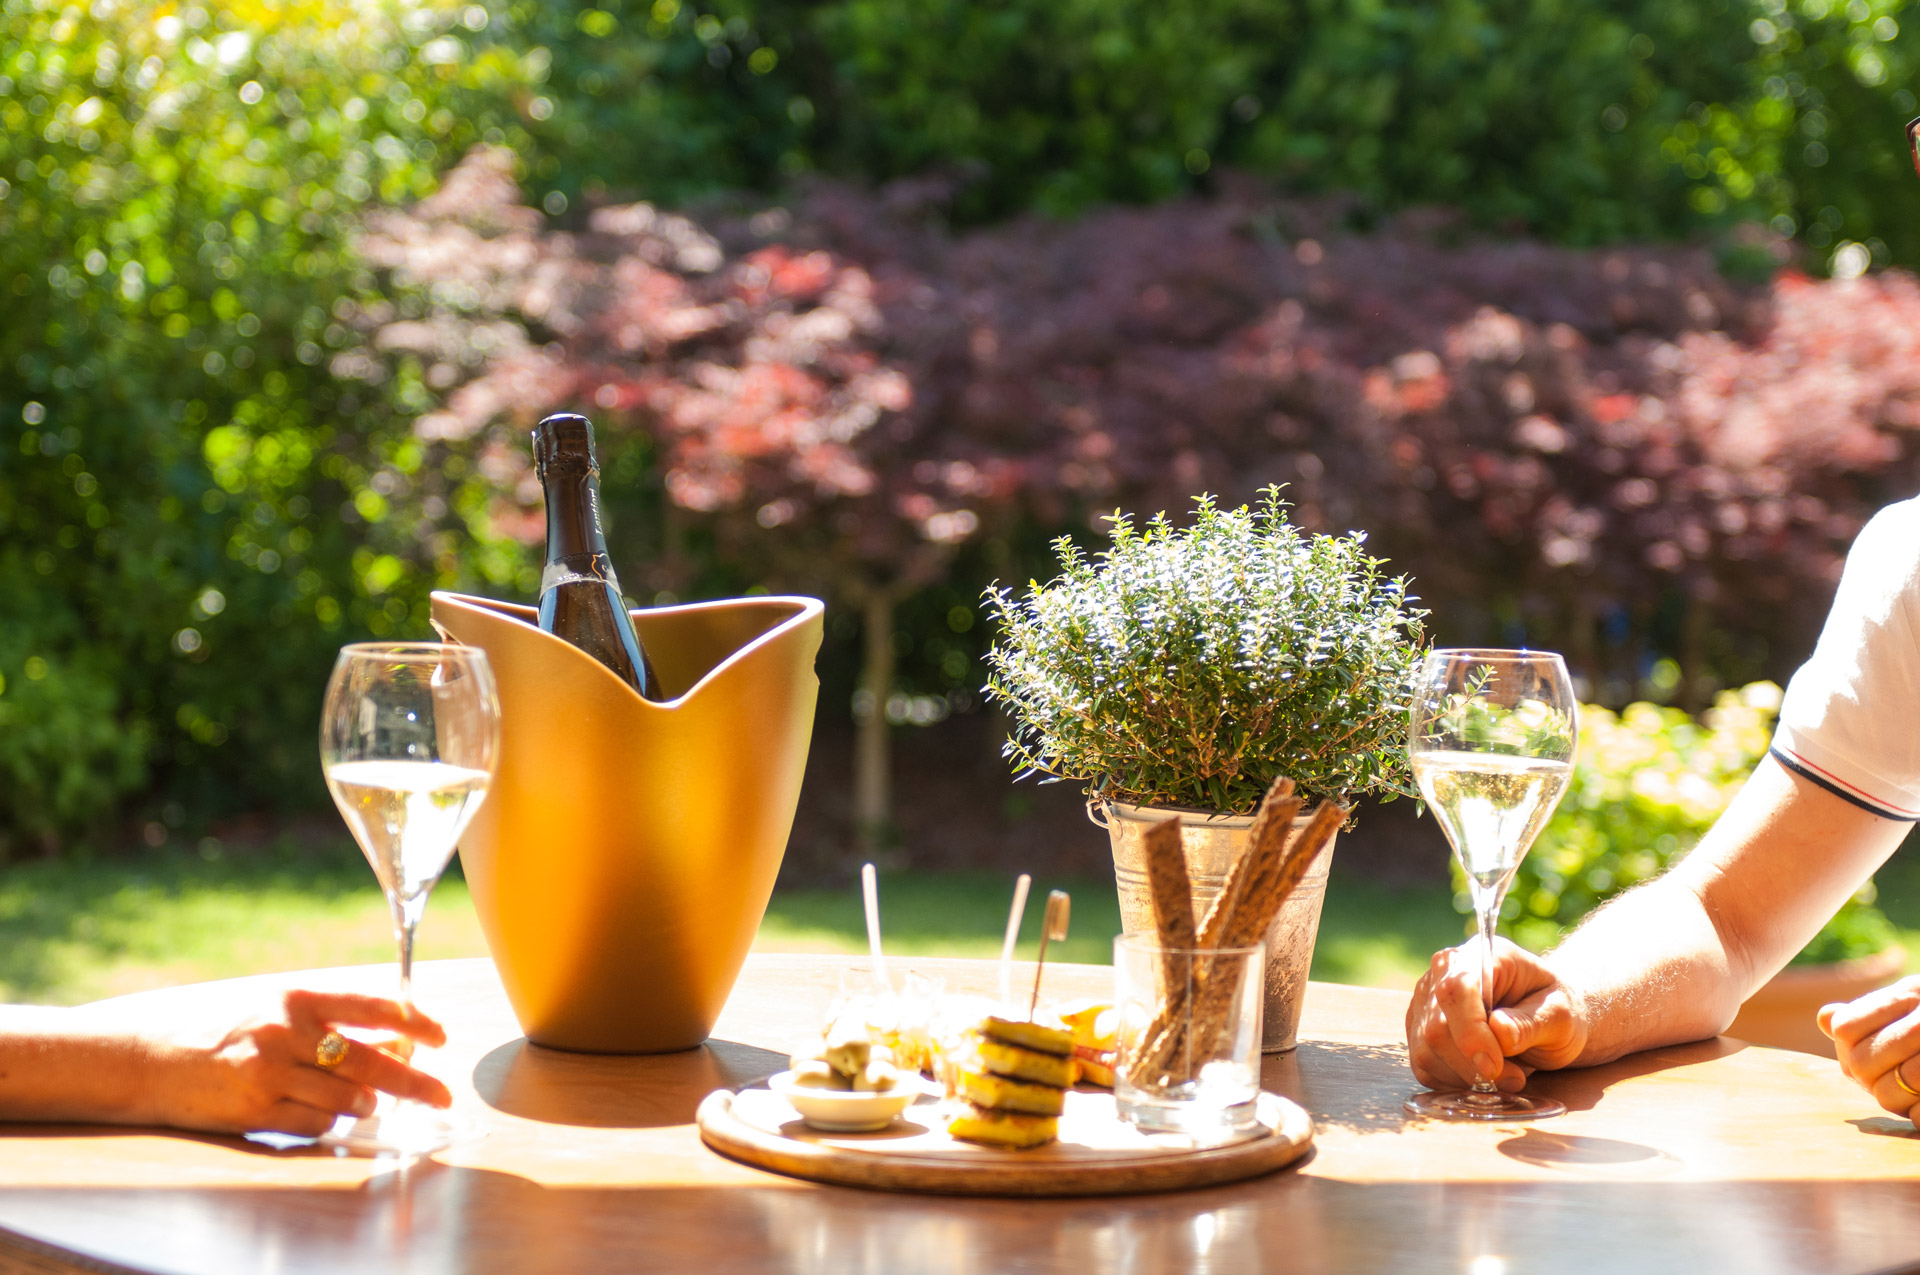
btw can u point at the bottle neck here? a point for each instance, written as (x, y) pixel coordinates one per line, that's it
(573, 515)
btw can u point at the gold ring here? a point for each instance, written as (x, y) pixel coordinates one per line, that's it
(332, 1049)
(1901, 1080)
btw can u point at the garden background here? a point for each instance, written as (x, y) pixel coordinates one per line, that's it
(1595, 317)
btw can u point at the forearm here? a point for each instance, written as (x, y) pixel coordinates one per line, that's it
(1650, 969)
(1673, 960)
(60, 1065)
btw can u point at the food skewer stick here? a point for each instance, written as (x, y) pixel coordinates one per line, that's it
(870, 893)
(1054, 928)
(1015, 915)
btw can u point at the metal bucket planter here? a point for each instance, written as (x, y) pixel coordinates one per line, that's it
(623, 858)
(1212, 843)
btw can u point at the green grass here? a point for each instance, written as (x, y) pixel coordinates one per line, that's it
(79, 930)
(76, 931)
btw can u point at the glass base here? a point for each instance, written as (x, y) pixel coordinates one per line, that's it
(1206, 1124)
(1470, 1104)
(399, 1129)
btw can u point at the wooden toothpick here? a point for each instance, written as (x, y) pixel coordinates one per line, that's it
(1053, 928)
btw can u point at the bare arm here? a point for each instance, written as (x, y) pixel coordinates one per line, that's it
(80, 1065)
(1674, 960)
(1670, 961)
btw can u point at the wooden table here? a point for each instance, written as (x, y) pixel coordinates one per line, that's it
(1710, 1157)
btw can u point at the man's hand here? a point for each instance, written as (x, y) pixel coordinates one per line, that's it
(263, 1075)
(1877, 1038)
(1450, 1041)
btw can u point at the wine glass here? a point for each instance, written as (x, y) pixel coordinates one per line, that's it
(1491, 741)
(409, 739)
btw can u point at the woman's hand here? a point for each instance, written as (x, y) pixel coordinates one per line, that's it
(263, 1074)
(1876, 1038)
(1450, 1041)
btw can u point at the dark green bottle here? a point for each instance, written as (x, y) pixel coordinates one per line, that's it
(579, 595)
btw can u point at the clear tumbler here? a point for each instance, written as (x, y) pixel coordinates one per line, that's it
(1189, 1047)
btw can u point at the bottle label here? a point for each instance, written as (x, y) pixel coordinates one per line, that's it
(589, 568)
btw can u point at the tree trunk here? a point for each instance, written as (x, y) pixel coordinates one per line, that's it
(872, 762)
(1693, 654)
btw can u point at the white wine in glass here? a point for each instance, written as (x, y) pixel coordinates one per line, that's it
(1491, 742)
(409, 740)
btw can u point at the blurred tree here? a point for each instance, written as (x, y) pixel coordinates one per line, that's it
(191, 505)
(753, 367)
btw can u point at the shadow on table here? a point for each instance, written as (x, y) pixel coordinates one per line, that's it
(615, 1091)
(1360, 1088)
(1582, 1088)
(1343, 1085)
(1584, 1154)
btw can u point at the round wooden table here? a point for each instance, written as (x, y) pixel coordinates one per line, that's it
(1716, 1156)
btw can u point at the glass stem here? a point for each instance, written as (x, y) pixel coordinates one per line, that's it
(406, 919)
(1488, 908)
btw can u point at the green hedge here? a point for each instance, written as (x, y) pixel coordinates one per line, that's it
(188, 496)
(1579, 120)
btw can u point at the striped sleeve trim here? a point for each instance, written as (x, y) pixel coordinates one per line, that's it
(1840, 787)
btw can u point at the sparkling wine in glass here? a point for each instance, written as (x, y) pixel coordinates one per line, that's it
(1491, 741)
(409, 739)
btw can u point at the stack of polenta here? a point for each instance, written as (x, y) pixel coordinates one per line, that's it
(1014, 1077)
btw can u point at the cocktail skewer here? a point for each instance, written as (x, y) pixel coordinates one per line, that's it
(1054, 929)
(870, 893)
(1015, 915)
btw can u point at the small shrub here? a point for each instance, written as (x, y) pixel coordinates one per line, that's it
(1191, 667)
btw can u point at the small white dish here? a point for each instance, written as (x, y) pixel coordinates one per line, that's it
(844, 1110)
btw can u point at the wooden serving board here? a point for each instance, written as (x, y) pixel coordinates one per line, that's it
(1097, 1154)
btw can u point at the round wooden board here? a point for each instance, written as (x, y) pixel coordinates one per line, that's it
(1097, 1154)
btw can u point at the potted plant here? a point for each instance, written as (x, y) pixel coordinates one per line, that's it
(1180, 671)
(1649, 781)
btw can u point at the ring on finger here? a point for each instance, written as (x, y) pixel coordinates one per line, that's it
(1901, 1080)
(332, 1051)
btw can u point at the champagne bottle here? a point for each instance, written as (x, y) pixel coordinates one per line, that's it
(579, 595)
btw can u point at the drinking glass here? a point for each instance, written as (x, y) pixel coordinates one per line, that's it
(1491, 740)
(409, 738)
(1188, 1059)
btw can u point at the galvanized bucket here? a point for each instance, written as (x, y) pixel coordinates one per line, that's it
(1212, 843)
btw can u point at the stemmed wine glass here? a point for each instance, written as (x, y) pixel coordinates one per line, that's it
(1491, 741)
(409, 738)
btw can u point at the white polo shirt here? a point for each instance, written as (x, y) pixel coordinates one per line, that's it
(1850, 721)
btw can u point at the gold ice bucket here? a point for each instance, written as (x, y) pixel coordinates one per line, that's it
(623, 858)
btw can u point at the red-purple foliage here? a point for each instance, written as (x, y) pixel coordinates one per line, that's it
(1546, 439)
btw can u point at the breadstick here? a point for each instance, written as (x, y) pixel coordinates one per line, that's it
(1168, 886)
(1212, 998)
(1276, 813)
(1265, 840)
(1171, 893)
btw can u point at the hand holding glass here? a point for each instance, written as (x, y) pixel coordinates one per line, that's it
(1491, 741)
(409, 738)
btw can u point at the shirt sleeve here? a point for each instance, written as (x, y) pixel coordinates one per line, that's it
(1850, 721)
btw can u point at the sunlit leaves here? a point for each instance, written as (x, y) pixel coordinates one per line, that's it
(1191, 667)
(180, 182)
